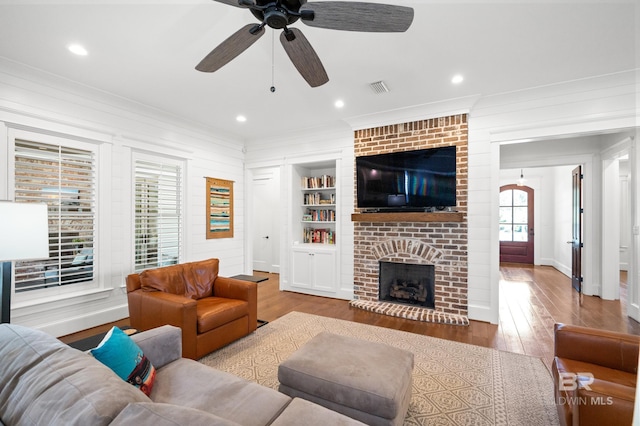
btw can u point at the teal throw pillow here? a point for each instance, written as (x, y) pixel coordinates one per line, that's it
(121, 354)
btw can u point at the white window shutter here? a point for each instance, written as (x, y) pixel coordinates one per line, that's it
(158, 213)
(64, 179)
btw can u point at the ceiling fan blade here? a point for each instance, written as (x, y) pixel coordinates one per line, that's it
(237, 43)
(359, 16)
(303, 56)
(235, 3)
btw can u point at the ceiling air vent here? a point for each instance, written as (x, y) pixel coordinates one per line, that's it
(379, 87)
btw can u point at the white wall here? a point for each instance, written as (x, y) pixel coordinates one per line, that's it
(42, 104)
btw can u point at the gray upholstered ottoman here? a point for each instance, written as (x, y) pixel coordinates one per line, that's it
(367, 381)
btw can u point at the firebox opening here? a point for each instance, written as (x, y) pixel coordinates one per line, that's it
(407, 283)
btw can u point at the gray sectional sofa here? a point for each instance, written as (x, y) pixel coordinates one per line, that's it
(45, 382)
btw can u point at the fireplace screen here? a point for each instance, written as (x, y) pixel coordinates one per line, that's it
(407, 283)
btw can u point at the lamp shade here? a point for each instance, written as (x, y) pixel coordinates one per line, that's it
(24, 231)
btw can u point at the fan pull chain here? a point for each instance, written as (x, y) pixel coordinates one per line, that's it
(273, 66)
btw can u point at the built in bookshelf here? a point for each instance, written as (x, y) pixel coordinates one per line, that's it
(314, 229)
(319, 209)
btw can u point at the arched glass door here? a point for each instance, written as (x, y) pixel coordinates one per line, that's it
(516, 224)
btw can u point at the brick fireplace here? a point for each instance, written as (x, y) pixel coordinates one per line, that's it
(438, 239)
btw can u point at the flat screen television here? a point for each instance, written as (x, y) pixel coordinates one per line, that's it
(419, 180)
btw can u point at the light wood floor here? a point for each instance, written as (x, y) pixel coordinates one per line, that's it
(532, 299)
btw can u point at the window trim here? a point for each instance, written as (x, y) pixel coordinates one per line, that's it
(63, 292)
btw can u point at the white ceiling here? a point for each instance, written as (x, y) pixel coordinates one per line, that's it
(146, 51)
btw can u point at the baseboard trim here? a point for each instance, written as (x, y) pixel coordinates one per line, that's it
(83, 322)
(482, 313)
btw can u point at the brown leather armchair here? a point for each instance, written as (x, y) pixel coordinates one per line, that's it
(595, 374)
(212, 311)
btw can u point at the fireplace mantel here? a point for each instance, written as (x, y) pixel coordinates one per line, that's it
(408, 217)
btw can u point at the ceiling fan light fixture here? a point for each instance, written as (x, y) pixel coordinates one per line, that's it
(379, 87)
(358, 16)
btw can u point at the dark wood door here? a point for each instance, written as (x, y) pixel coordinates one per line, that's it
(516, 224)
(576, 230)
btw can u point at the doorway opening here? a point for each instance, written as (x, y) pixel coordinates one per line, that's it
(265, 215)
(606, 205)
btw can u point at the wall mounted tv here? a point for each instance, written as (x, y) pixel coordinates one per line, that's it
(420, 180)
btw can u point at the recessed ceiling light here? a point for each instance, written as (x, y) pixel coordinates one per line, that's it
(339, 103)
(241, 118)
(457, 79)
(78, 50)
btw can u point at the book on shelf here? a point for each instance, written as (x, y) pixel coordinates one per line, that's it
(318, 236)
(321, 215)
(324, 181)
(315, 198)
(312, 198)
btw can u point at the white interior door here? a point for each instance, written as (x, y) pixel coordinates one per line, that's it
(266, 232)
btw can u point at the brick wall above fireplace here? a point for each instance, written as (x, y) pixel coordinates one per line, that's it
(437, 240)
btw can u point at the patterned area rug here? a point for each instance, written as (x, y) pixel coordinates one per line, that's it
(453, 383)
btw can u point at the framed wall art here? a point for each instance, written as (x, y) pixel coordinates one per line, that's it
(219, 208)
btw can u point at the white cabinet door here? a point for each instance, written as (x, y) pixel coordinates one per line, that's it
(302, 266)
(314, 269)
(325, 270)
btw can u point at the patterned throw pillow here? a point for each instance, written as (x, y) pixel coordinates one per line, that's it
(121, 354)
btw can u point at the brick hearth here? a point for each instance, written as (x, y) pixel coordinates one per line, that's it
(436, 242)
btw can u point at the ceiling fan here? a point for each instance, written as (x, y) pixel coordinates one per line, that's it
(335, 15)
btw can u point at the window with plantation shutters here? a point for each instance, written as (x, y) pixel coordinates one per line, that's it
(158, 213)
(64, 178)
